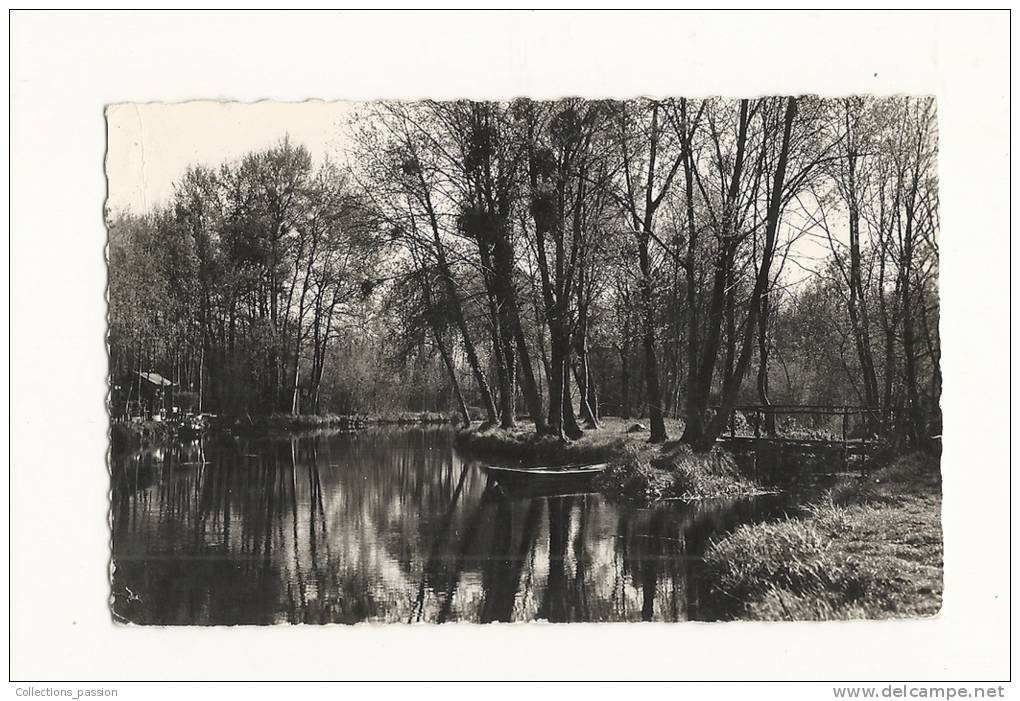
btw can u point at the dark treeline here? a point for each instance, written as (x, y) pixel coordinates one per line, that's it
(240, 288)
(552, 262)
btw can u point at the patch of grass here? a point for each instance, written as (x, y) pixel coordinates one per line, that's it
(674, 471)
(871, 549)
(521, 444)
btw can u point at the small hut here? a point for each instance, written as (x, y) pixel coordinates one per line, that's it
(147, 396)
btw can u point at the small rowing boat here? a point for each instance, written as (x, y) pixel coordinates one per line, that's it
(574, 475)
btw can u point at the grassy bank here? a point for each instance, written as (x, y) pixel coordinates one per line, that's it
(637, 470)
(302, 422)
(126, 435)
(673, 471)
(521, 444)
(872, 548)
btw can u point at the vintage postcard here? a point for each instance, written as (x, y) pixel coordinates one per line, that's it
(578, 360)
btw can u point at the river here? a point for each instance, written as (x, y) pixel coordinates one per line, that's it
(390, 525)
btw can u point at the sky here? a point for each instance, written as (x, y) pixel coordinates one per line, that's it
(150, 145)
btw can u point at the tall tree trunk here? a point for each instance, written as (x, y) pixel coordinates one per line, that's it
(570, 425)
(702, 369)
(201, 379)
(587, 412)
(453, 299)
(769, 417)
(731, 329)
(504, 372)
(887, 319)
(582, 371)
(915, 428)
(451, 371)
(857, 305)
(529, 385)
(761, 285)
(562, 421)
(508, 381)
(625, 379)
(556, 390)
(694, 412)
(295, 403)
(488, 404)
(653, 397)
(507, 340)
(513, 331)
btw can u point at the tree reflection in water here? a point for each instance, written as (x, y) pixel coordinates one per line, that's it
(388, 525)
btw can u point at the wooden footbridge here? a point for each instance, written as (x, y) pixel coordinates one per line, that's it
(843, 431)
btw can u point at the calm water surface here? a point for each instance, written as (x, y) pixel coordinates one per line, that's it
(390, 525)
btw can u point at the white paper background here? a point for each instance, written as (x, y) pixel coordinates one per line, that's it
(66, 67)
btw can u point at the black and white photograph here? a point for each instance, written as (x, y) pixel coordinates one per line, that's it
(510, 345)
(576, 360)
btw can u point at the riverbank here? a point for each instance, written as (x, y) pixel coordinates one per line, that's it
(637, 470)
(130, 435)
(302, 422)
(872, 548)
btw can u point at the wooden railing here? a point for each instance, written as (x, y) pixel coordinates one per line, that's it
(762, 420)
(830, 429)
